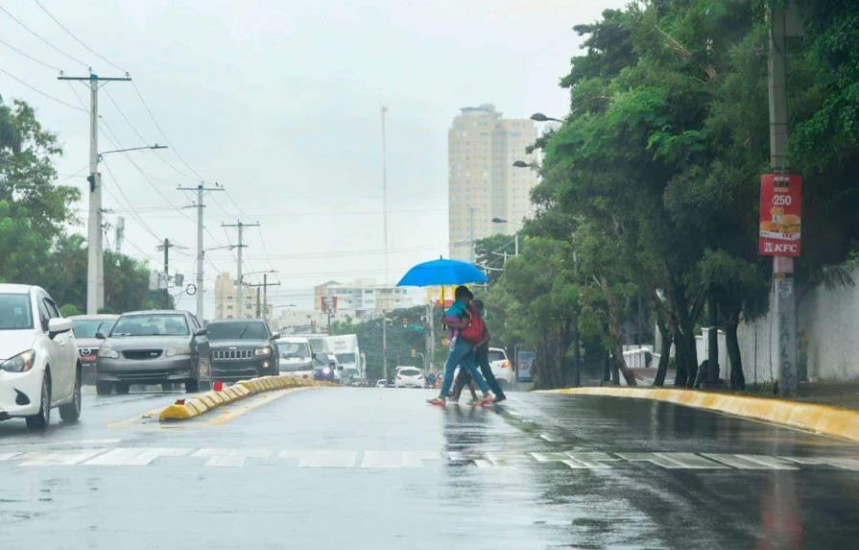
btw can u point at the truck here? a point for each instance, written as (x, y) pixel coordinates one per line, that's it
(348, 357)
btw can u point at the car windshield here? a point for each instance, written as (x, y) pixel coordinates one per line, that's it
(495, 355)
(293, 350)
(159, 324)
(15, 312)
(410, 372)
(237, 331)
(346, 358)
(88, 328)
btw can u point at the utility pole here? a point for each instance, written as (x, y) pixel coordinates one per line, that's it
(239, 294)
(166, 248)
(784, 300)
(95, 253)
(384, 111)
(200, 189)
(471, 234)
(120, 234)
(261, 307)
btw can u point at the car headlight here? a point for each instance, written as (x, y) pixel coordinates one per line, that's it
(263, 351)
(107, 352)
(20, 363)
(181, 350)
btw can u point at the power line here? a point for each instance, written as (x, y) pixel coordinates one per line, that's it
(163, 134)
(142, 172)
(38, 91)
(78, 40)
(37, 35)
(142, 137)
(28, 56)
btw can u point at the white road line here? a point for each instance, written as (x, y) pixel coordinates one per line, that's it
(8, 456)
(577, 461)
(135, 456)
(751, 462)
(843, 463)
(59, 458)
(322, 459)
(397, 459)
(230, 458)
(549, 438)
(674, 461)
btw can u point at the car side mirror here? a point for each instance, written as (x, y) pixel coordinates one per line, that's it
(313, 355)
(100, 335)
(201, 332)
(58, 326)
(275, 336)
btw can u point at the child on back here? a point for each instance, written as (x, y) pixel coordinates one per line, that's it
(457, 318)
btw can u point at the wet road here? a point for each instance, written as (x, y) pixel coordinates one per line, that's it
(379, 469)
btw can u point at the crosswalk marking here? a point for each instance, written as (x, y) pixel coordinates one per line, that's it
(843, 463)
(230, 458)
(674, 461)
(390, 459)
(59, 458)
(751, 462)
(134, 456)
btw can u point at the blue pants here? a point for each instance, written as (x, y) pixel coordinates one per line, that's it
(461, 354)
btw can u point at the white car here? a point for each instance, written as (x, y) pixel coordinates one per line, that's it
(382, 383)
(39, 364)
(409, 377)
(501, 368)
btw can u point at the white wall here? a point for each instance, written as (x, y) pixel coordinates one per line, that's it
(829, 321)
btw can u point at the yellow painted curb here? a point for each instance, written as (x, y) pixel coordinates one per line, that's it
(821, 419)
(200, 404)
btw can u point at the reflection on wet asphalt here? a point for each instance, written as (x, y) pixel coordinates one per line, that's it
(378, 468)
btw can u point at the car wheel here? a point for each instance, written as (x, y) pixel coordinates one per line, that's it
(70, 412)
(192, 386)
(122, 388)
(103, 388)
(39, 422)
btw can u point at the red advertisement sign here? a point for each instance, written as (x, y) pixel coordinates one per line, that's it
(781, 215)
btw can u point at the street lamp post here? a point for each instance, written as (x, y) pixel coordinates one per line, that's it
(95, 246)
(515, 236)
(540, 117)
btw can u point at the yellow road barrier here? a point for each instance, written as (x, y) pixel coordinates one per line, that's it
(204, 402)
(820, 419)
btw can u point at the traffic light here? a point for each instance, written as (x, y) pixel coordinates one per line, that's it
(413, 352)
(405, 322)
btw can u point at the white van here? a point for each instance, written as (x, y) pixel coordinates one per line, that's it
(296, 357)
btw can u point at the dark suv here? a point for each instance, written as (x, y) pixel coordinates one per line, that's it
(242, 348)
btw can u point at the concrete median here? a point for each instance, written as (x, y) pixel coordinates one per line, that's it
(197, 405)
(821, 419)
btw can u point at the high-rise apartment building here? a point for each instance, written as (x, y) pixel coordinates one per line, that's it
(227, 297)
(483, 183)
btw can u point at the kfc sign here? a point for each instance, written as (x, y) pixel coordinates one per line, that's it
(781, 215)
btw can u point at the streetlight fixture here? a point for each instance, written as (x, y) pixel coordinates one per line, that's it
(521, 164)
(540, 117)
(95, 240)
(515, 236)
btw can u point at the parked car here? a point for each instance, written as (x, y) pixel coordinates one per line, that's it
(409, 377)
(40, 368)
(85, 328)
(382, 383)
(154, 347)
(502, 368)
(242, 348)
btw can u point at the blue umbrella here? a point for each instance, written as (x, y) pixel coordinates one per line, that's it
(442, 272)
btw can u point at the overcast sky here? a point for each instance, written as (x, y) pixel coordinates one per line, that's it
(278, 101)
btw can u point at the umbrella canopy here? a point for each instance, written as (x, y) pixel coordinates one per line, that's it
(442, 272)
